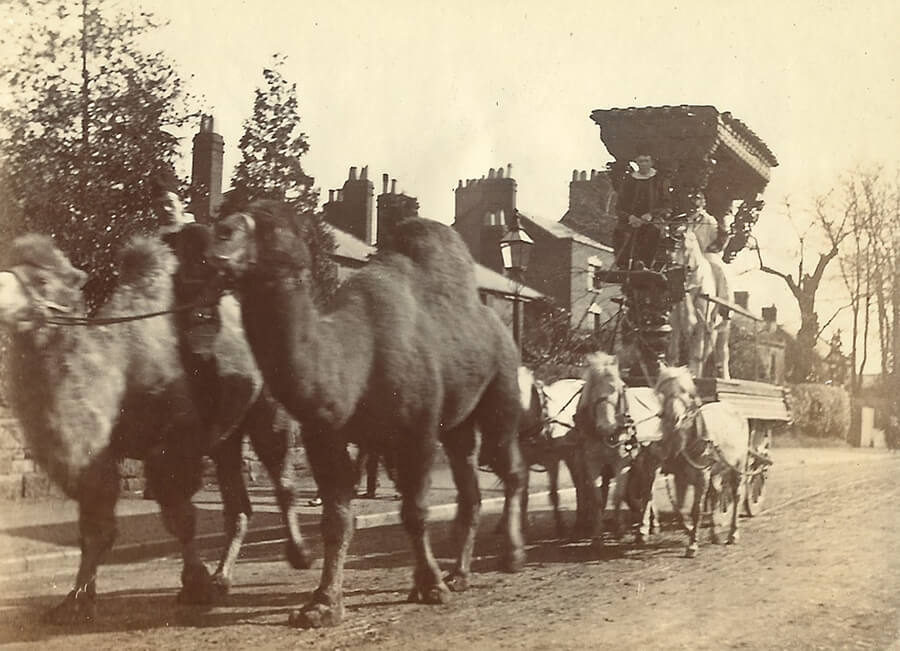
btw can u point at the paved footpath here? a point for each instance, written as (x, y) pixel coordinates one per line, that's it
(41, 534)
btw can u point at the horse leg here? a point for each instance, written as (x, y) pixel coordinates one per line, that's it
(737, 498)
(701, 486)
(461, 446)
(236, 509)
(553, 460)
(270, 428)
(98, 492)
(335, 475)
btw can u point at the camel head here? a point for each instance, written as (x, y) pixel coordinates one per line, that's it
(678, 396)
(599, 405)
(38, 282)
(264, 241)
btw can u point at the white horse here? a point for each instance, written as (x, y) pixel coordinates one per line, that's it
(703, 446)
(546, 437)
(616, 423)
(697, 323)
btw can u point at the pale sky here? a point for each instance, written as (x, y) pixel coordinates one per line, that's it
(431, 92)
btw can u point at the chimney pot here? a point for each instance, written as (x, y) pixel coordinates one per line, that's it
(384, 183)
(491, 173)
(352, 176)
(330, 196)
(364, 175)
(574, 175)
(458, 185)
(583, 175)
(393, 186)
(593, 174)
(340, 194)
(499, 172)
(509, 170)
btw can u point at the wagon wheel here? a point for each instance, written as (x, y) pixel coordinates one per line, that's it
(758, 462)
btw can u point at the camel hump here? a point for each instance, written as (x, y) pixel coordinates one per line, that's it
(144, 259)
(436, 247)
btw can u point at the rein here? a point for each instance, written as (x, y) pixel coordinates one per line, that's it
(64, 320)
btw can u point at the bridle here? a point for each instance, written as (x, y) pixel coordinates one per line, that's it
(41, 309)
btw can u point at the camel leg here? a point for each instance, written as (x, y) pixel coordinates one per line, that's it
(335, 474)
(174, 481)
(269, 430)
(461, 446)
(97, 496)
(497, 415)
(236, 510)
(414, 481)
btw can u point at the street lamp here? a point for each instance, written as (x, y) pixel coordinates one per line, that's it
(515, 248)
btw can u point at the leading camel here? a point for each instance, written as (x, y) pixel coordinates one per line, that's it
(87, 396)
(405, 357)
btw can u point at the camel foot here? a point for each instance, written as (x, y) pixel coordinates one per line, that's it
(732, 538)
(197, 586)
(457, 581)
(691, 550)
(317, 615)
(79, 607)
(435, 594)
(513, 561)
(297, 555)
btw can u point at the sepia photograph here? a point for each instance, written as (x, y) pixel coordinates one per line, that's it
(456, 324)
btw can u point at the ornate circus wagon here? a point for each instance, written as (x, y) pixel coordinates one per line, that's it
(699, 151)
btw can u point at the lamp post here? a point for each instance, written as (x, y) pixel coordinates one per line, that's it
(515, 249)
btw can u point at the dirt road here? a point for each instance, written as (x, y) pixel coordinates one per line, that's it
(820, 569)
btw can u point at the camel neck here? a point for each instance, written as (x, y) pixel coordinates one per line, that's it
(300, 351)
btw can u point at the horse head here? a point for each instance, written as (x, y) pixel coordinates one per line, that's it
(38, 283)
(678, 396)
(599, 409)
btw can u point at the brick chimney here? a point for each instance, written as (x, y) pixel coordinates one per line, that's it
(392, 206)
(206, 172)
(742, 299)
(591, 205)
(484, 209)
(351, 211)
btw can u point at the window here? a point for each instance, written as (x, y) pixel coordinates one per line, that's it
(595, 264)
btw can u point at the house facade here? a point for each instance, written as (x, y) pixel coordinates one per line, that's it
(563, 261)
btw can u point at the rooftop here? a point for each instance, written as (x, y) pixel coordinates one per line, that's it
(562, 231)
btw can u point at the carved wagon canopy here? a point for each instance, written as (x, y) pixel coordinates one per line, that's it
(696, 146)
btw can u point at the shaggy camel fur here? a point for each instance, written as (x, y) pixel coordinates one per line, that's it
(405, 356)
(87, 396)
(703, 446)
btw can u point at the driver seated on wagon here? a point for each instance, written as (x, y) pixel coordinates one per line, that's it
(643, 204)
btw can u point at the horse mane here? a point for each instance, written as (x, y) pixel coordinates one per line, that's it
(680, 376)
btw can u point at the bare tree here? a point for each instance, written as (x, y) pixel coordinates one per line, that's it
(805, 285)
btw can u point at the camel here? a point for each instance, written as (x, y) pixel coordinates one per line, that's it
(704, 446)
(404, 357)
(88, 396)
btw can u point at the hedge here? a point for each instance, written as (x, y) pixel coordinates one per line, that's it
(820, 410)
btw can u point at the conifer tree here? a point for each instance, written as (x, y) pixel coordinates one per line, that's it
(270, 168)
